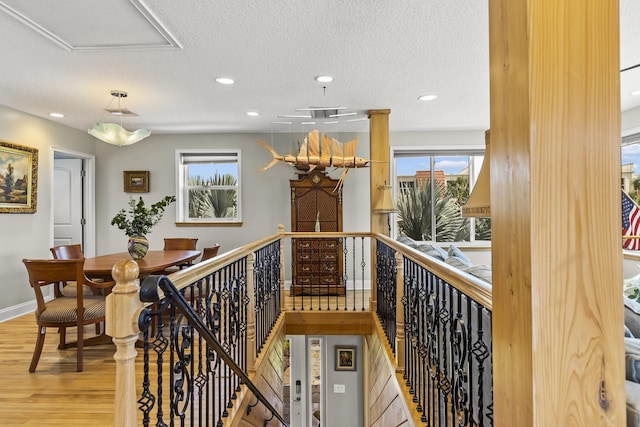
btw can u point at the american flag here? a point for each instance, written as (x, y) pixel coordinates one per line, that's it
(630, 222)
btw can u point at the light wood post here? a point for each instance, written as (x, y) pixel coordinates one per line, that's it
(122, 312)
(400, 321)
(379, 174)
(379, 169)
(555, 203)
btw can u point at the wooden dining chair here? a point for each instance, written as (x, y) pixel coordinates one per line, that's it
(71, 252)
(179, 244)
(62, 311)
(210, 251)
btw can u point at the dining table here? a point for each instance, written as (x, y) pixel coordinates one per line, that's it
(153, 262)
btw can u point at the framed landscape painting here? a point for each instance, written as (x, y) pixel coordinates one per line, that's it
(18, 178)
(136, 181)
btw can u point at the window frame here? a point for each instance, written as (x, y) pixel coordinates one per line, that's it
(182, 197)
(432, 152)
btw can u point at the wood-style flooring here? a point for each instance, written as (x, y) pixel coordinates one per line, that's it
(57, 395)
(54, 395)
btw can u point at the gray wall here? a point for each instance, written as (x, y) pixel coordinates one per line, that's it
(343, 409)
(30, 235)
(265, 196)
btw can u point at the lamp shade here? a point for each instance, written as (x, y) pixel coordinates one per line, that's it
(479, 202)
(115, 134)
(385, 201)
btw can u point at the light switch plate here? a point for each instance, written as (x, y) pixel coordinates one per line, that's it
(339, 388)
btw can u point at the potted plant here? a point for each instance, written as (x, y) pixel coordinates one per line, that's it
(138, 221)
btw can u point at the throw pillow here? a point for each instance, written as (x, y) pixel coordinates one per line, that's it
(632, 359)
(433, 250)
(482, 272)
(455, 251)
(458, 262)
(632, 316)
(405, 240)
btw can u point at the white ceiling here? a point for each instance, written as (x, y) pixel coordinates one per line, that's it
(66, 56)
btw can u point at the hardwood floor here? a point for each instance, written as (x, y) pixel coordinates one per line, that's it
(57, 395)
(54, 395)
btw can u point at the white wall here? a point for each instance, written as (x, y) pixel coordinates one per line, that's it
(29, 235)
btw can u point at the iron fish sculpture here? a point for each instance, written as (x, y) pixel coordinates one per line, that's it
(313, 154)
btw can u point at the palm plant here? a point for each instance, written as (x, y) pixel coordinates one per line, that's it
(214, 202)
(415, 210)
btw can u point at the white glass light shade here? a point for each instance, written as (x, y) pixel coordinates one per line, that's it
(115, 134)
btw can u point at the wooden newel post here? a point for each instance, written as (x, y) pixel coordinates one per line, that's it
(251, 315)
(399, 312)
(123, 309)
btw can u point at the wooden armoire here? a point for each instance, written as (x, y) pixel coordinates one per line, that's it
(317, 263)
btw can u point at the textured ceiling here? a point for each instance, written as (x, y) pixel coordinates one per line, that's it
(66, 56)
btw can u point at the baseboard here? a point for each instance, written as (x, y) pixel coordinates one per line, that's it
(17, 310)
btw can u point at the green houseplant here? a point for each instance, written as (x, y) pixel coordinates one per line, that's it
(138, 221)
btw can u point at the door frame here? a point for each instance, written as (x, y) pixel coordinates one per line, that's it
(89, 194)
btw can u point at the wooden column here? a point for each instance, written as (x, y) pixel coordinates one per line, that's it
(379, 173)
(122, 312)
(555, 203)
(379, 151)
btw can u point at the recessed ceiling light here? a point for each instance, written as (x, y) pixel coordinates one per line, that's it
(358, 120)
(332, 122)
(324, 79)
(282, 123)
(294, 116)
(427, 97)
(56, 115)
(307, 123)
(253, 113)
(225, 80)
(636, 92)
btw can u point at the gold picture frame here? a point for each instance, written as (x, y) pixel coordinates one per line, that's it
(345, 357)
(136, 181)
(18, 178)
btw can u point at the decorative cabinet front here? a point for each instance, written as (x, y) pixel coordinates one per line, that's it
(317, 263)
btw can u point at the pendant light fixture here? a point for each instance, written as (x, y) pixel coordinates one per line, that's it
(115, 133)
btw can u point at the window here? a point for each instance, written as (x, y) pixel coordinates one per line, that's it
(431, 187)
(208, 186)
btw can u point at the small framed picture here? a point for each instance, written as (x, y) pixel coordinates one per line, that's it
(136, 181)
(345, 358)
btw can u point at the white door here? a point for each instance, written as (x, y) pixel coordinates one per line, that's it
(68, 202)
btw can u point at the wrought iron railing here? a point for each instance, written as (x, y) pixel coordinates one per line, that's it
(267, 277)
(206, 337)
(205, 340)
(386, 285)
(447, 336)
